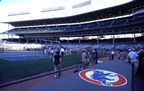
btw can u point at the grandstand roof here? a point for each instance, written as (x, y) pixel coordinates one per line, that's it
(104, 13)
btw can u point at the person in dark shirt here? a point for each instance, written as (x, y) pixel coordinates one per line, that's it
(57, 62)
(95, 56)
(141, 60)
(141, 55)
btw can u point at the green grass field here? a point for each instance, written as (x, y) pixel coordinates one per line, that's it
(15, 70)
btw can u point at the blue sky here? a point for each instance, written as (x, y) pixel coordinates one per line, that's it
(7, 2)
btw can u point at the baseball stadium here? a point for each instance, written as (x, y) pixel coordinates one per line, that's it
(67, 45)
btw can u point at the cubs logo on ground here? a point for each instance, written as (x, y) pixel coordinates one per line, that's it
(103, 77)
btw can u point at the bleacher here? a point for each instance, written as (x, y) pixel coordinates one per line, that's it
(135, 46)
(97, 46)
(121, 46)
(108, 46)
(107, 24)
(12, 45)
(119, 22)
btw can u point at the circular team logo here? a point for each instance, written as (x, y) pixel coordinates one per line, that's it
(103, 77)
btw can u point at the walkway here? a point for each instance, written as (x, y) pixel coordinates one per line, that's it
(138, 82)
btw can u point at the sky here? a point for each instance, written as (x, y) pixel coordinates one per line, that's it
(35, 6)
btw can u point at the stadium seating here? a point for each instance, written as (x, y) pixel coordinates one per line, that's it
(108, 46)
(121, 46)
(107, 24)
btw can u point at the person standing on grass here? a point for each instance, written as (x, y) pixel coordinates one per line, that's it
(84, 60)
(88, 57)
(57, 62)
(119, 54)
(52, 52)
(62, 51)
(112, 55)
